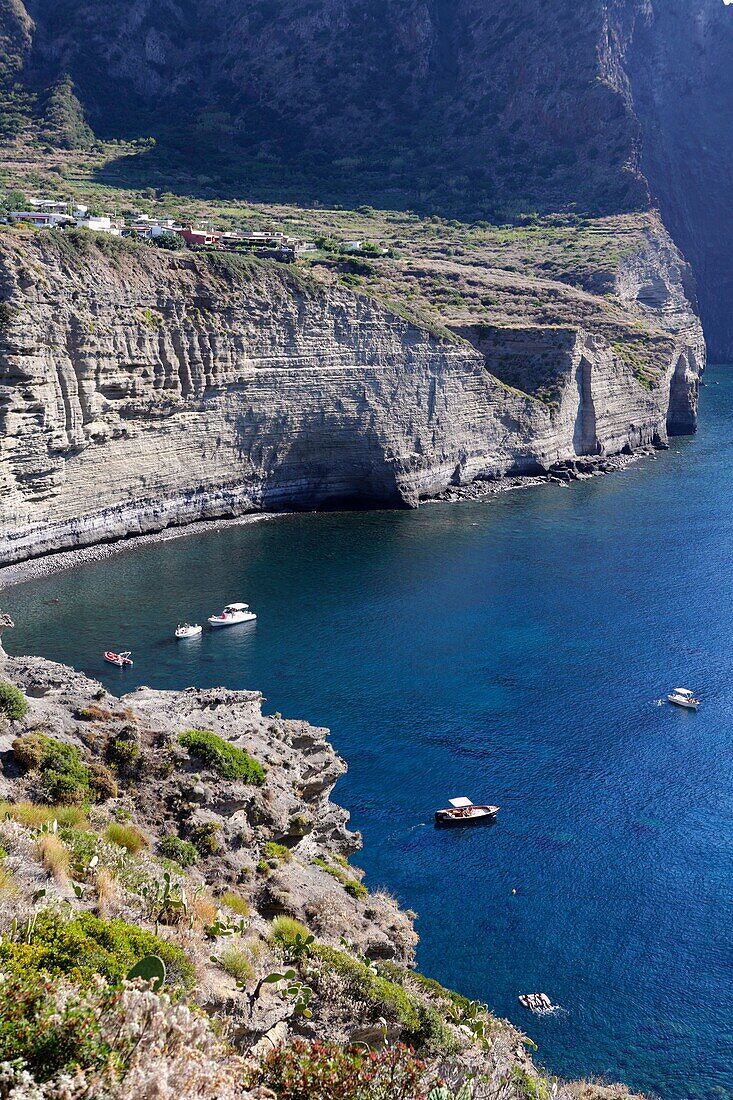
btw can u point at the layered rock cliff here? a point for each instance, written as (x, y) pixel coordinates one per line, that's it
(141, 389)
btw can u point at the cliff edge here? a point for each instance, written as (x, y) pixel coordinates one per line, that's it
(189, 828)
(140, 389)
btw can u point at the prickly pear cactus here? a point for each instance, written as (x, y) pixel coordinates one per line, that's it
(151, 968)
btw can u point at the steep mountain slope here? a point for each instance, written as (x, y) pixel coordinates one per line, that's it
(464, 107)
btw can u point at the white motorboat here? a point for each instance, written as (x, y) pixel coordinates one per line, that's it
(683, 697)
(463, 812)
(188, 630)
(232, 614)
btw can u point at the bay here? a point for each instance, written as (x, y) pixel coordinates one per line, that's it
(513, 651)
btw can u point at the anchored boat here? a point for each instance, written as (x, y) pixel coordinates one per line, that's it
(120, 659)
(463, 812)
(188, 630)
(232, 614)
(683, 697)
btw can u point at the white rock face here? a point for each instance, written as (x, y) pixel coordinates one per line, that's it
(140, 389)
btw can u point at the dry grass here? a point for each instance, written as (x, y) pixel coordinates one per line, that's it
(203, 910)
(108, 892)
(8, 885)
(129, 837)
(55, 856)
(33, 815)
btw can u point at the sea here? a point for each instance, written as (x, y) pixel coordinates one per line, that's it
(517, 651)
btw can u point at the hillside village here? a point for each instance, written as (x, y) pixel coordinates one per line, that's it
(163, 231)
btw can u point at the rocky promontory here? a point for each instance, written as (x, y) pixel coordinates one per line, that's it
(191, 825)
(141, 389)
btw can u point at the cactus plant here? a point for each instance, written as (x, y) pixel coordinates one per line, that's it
(151, 968)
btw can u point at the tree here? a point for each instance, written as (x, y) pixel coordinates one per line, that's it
(64, 123)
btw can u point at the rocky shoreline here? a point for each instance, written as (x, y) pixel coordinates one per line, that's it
(561, 474)
(271, 841)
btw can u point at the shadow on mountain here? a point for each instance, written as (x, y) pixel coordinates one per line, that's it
(315, 181)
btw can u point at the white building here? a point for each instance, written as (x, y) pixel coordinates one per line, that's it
(40, 218)
(102, 223)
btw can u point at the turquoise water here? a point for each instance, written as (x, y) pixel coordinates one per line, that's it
(510, 651)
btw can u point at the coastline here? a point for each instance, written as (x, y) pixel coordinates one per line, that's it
(47, 565)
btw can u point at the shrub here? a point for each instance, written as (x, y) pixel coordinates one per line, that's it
(86, 945)
(388, 998)
(126, 836)
(204, 837)
(278, 852)
(225, 759)
(123, 753)
(285, 929)
(353, 887)
(182, 851)
(236, 961)
(113, 1043)
(302, 1070)
(64, 777)
(13, 703)
(235, 902)
(102, 782)
(28, 751)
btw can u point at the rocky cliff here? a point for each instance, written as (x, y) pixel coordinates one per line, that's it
(226, 857)
(462, 107)
(141, 388)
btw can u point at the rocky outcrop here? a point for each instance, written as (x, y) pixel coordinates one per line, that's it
(269, 853)
(140, 389)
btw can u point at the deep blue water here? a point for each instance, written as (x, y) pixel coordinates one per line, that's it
(510, 651)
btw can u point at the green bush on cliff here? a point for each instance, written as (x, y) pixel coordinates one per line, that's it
(353, 887)
(85, 945)
(182, 852)
(303, 1070)
(222, 757)
(422, 1024)
(64, 777)
(13, 703)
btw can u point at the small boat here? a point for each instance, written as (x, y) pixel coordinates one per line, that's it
(119, 659)
(232, 614)
(463, 812)
(188, 630)
(537, 1002)
(683, 697)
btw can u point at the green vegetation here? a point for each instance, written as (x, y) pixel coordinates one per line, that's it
(182, 852)
(64, 778)
(237, 962)
(225, 759)
(109, 1043)
(129, 837)
(235, 902)
(421, 1023)
(205, 838)
(278, 852)
(353, 887)
(123, 752)
(85, 945)
(285, 931)
(64, 124)
(13, 703)
(302, 1070)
